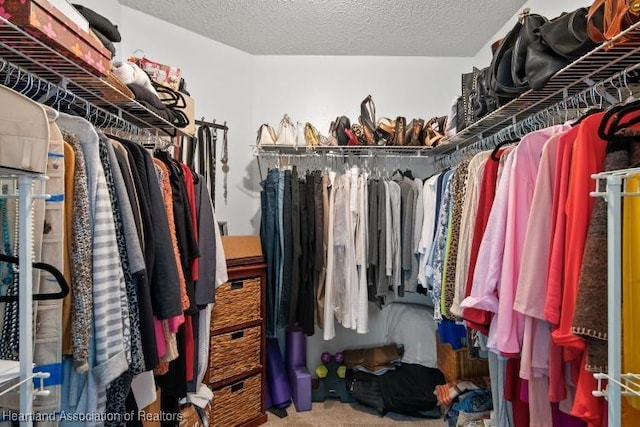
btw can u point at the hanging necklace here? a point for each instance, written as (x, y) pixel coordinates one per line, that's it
(224, 159)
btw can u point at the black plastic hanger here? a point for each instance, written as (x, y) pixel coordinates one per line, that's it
(408, 174)
(588, 113)
(494, 153)
(64, 287)
(612, 120)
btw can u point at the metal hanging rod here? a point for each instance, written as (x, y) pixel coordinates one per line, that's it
(342, 151)
(212, 124)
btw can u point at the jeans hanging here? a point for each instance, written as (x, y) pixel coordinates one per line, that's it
(270, 243)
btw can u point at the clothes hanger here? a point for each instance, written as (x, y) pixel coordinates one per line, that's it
(494, 153)
(57, 275)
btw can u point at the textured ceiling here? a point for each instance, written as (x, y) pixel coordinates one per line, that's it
(340, 27)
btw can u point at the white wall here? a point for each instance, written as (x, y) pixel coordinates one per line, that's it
(547, 8)
(247, 91)
(317, 89)
(219, 79)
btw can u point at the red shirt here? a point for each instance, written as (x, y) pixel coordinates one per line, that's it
(475, 318)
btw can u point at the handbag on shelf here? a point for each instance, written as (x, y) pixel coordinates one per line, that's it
(353, 140)
(567, 34)
(414, 136)
(266, 136)
(399, 134)
(434, 131)
(368, 119)
(359, 132)
(342, 124)
(332, 139)
(477, 100)
(386, 129)
(507, 72)
(608, 18)
(311, 136)
(286, 136)
(542, 64)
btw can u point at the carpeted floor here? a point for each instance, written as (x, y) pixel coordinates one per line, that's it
(335, 414)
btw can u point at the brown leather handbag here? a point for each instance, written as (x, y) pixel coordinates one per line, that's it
(608, 18)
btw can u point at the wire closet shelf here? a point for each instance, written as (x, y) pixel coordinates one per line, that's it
(601, 64)
(25, 51)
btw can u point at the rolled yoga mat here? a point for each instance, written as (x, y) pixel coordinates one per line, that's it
(296, 349)
(277, 378)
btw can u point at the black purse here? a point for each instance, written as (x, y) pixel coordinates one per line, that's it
(542, 64)
(567, 34)
(477, 100)
(482, 102)
(507, 72)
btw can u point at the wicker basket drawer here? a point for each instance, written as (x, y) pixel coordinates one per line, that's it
(456, 365)
(237, 302)
(237, 403)
(234, 353)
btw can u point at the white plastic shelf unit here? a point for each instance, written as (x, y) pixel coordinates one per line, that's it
(25, 199)
(618, 384)
(24, 50)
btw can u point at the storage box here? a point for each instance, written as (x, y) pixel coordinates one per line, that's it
(238, 403)
(52, 27)
(234, 353)
(455, 364)
(237, 302)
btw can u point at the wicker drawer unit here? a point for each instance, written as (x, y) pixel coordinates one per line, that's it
(237, 355)
(237, 302)
(238, 403)
(234, 353)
